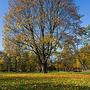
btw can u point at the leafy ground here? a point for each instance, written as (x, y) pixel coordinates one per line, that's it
(49, 81)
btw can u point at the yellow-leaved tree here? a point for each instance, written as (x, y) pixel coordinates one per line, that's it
(41, 26)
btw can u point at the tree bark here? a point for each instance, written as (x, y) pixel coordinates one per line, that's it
(9, 65)
(15, 65)
(44, 67)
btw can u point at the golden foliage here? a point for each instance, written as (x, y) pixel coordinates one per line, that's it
(57, 20)
(19, 37)
(77, 63)
(48, 38)
(19, 8)
(6, 28)
(1, 62)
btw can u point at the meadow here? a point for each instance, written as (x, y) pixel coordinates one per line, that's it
(49, 81)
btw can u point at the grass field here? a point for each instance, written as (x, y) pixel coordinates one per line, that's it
(49, 81)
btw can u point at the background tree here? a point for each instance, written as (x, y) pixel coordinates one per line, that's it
(67, 56)
(84, 57)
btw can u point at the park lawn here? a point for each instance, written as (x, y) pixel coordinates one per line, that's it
(49, 81)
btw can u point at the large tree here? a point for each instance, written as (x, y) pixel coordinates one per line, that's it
(41, 26)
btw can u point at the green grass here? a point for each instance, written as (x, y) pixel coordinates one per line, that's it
(49, 81)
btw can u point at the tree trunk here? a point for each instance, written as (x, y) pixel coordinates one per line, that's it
(44, 67)
(85, 67)
(15, 65)
(9, 65)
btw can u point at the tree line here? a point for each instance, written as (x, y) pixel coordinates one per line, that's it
(65, 61)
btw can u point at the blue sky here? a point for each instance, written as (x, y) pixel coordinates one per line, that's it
(84, 9)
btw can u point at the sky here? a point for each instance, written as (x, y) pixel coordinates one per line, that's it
(84, 9)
